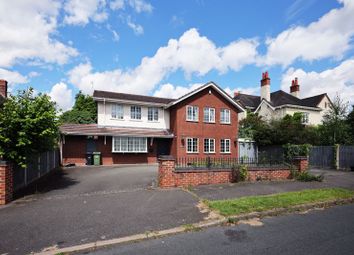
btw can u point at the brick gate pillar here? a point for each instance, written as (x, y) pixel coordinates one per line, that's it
(302, 163)
(6, 182)
(166, 177)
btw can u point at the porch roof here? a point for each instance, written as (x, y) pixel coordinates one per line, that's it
(94, 129)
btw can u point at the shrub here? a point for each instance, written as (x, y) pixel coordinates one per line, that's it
(239, 173)
(307, 177)
(296, 150)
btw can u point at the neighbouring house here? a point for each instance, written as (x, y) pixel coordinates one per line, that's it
(3, 91)
(277, 104)
(138, 129)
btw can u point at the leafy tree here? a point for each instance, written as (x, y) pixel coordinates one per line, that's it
(84, 111)
(335, 129)
(250, 125)
(28, 125)
(350, 122)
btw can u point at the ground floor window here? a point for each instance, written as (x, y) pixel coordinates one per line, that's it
(192, 145)
(209, 145)
(129, 144)
(225, 145)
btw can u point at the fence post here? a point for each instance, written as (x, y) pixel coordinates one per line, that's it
(336, 151)
(39, 165)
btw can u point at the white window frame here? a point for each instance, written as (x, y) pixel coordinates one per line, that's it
(223, 146)
(134, 113)
(223, 119)
(153, 112)
(125, 144)
(207, 141)
(194, 110)
(305, 118)
(209, 115)
(193, 140)
(117, 111)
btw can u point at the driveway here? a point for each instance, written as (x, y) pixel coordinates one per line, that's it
(85, 204)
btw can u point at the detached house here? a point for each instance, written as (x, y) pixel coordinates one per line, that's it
(138, 129)
(3, 91)
(277, 104)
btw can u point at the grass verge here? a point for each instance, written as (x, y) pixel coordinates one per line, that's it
(281, 200)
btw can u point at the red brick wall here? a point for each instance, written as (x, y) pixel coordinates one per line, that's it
(74, 151)
(168, 177)
(183, 129)
(6, 183)
(301, 163)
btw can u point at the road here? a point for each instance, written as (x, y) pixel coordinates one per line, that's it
(329, 231)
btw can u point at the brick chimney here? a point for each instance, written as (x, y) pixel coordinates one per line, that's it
(295, 88)
(265, 86)
(3, 88)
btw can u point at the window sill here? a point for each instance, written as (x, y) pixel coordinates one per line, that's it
(225, 152)
(135, 120)
(153, 121)
(193, 152)
(195, 121)
(130, 152)
(224, 123)
(210, 153)
(208, 122)
(117, 119)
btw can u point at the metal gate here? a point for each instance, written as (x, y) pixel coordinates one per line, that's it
(322, 157)
(346, 157)
(247, 148)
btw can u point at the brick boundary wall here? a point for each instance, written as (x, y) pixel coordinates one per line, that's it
(301, 163)
(169, 177)
(6, 182)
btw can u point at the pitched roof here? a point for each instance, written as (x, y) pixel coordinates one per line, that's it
(279, 98)
(207, 85)
(94, 129)
(130, 97)
(315, 100)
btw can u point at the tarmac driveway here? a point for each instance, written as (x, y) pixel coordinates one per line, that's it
(86, 204)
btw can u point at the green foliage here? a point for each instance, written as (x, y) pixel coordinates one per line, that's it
(84, 111)
(350, 123)
(250, 125)
(307, 177)
(335, 128)
(296, 150)
(28, 125)
(240, 173)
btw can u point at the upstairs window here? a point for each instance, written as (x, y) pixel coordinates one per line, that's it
(305, 118)
(153, 114)
(209, 115)
(135, 112)
(192, 113)
(117, 111)
(225, 145)
(225, 116)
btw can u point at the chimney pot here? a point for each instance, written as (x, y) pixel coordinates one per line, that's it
(236, 93)
(265, 86)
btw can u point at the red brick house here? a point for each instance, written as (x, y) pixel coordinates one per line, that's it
(138, 129)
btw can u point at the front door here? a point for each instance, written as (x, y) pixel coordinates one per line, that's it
(163, 147)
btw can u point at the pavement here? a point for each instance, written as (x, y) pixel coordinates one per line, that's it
(329, 231)
(87, 204)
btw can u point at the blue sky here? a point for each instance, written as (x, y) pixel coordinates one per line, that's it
(166, 48)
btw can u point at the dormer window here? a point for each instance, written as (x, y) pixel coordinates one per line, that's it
(117, 112)
(135, 112)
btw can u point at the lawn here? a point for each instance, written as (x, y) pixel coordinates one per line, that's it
(281, 200)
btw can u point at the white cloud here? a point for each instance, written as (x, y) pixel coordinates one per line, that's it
(12, 77)
(338, 79)
(140, 6)
(138, 29)
(80, 12)
(329, 37)
(26, 33)
(62, 95)
(169, 90)
(191, 53)
(117, 5)
(115, 34)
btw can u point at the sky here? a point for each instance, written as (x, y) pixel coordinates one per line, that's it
(166, 48)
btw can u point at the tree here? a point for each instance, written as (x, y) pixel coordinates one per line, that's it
(350, 123)
(335, 128)
(84, 111)
(28, 126)
(250, 125)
